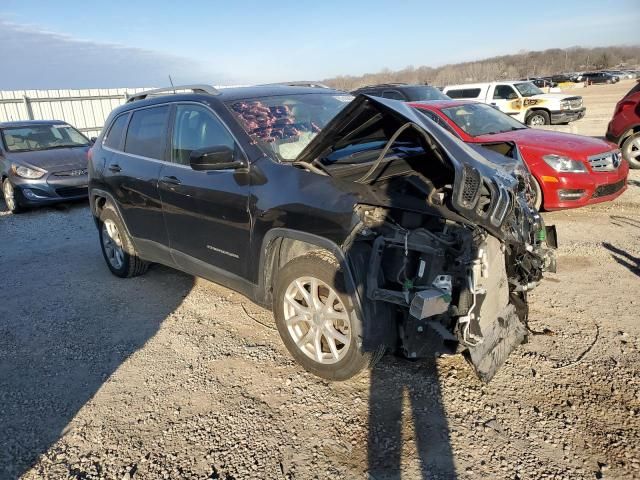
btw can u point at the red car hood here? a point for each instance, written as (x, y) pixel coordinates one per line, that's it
(549, 141)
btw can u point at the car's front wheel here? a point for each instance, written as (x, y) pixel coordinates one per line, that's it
(117, 247)
(316, 319)
(631, 150)
(10, 198)
(538, 118)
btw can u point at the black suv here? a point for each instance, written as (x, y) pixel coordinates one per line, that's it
(402, 91)
(361, 223)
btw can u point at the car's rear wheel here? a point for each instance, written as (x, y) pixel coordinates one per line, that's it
(538, 118)
(117, 247)
(631, 150)
(10, 198)
(316, 318)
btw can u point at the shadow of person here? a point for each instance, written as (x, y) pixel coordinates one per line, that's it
(66, 325)
(624, 258)
(393, 428)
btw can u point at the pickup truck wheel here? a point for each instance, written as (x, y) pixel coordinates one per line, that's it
(538, 118)
(117, 247)
(316, 319)
(631, 150)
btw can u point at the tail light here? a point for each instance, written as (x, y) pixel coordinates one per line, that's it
(624, 106)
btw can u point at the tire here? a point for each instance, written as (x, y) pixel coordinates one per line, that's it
(117, 247)
(538, 118)
(538, 193)
(10, 197)
(631, 150)
(345, 357)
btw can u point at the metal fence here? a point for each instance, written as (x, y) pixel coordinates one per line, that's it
(84, 109)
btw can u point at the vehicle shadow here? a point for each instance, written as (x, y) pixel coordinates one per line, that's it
(66, 325)
(624, 258)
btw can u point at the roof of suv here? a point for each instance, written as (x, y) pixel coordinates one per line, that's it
(28, 123)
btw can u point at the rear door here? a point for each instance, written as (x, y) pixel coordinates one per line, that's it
(206, 212)
(132, 167)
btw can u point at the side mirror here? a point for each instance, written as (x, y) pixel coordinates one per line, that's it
(218, 157)
(92, 140)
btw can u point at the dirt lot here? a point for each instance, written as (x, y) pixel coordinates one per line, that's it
(167, 376)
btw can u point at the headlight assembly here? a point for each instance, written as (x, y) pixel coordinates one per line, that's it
(27, 172)
(560, 163)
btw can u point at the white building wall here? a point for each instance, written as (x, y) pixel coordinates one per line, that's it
(84, 109)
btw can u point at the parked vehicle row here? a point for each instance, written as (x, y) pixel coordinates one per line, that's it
(397, 219)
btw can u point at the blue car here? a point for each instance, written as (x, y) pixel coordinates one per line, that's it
(42, 162)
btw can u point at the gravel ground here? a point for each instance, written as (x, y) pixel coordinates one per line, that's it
(167, 376)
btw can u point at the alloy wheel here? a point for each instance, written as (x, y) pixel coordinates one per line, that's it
(9, 195)
(317, 320)
(112, 243)
(536, 120)
(632, 149)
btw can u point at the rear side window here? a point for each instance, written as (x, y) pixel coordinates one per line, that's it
(464, 93)
(147, 132)
(393, 94)
(115, 134)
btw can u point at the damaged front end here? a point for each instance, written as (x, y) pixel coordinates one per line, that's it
(446, 237)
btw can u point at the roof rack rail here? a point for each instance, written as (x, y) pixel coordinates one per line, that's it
(392, 84)
(299, 83)
(194, 88)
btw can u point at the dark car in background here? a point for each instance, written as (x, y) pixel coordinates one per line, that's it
(359, 222)
(598, 77)
(42, 162)
(624, 127)
(402, 91)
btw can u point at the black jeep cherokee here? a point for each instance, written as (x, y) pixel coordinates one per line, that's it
(361, 223)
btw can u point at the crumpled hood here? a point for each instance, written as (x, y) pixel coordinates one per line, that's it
(53, 160)
(476, 169)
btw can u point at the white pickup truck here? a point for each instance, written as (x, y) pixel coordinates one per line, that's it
(523, 100)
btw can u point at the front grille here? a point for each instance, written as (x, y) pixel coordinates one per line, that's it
(605, 162)
(471, 186)
(604, 190)
(71, 173)
(72, 191)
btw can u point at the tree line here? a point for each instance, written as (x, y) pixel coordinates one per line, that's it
(523, 64)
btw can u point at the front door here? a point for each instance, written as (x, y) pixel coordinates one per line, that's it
(507, 100)
(206, 212)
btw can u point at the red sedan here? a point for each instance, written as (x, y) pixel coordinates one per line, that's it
(570, 170)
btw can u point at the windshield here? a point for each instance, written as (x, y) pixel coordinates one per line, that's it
(420, 93)
(286, 124)
(42, 137)
(481, 119)
(528, 89)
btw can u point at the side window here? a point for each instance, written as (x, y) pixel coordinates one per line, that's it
(393, 94)
(504, 92)
(147, 132)
(464, 93)
(196, 127)
(116, 132)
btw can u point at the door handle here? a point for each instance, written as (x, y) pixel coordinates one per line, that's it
(115, 168)
(171, 180)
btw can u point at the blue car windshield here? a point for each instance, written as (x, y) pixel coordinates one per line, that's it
(42, 137)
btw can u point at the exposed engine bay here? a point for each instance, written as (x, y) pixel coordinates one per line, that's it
(451, 241)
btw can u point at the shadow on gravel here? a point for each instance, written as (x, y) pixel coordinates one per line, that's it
(405, 403)
(66, 325)
(619, 221)
(624, 258)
